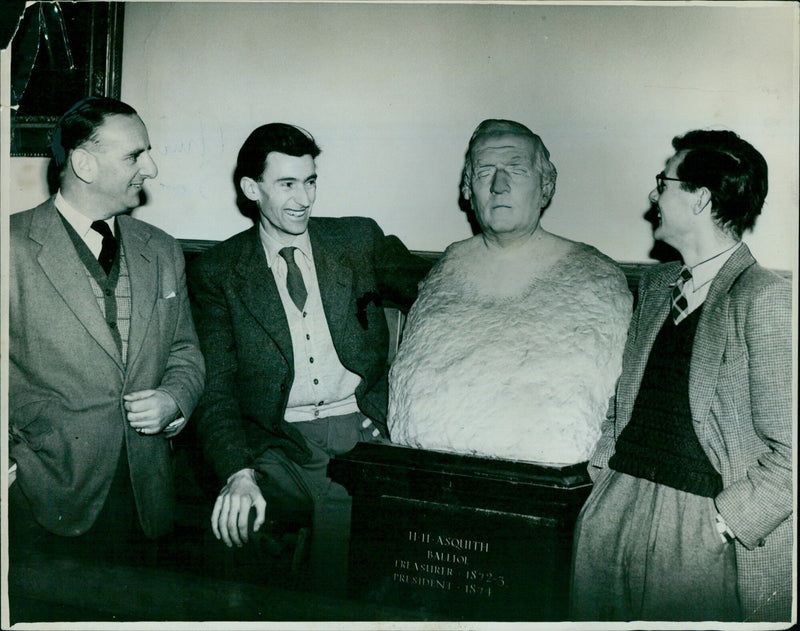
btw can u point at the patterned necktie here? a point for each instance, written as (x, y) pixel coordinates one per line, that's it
(294, 279)
(109, 250)
(680, 304)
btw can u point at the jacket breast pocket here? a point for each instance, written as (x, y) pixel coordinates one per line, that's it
(30, 425)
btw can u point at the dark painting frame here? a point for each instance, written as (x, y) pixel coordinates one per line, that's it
(95, 44)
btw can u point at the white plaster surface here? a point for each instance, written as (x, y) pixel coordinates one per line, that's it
(504, 358)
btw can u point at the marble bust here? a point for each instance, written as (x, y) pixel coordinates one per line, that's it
(515, 343)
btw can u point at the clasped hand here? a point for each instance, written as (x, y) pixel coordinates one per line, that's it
(150, 411)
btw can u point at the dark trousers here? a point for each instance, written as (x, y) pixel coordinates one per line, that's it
(302, 495)
(307, 486)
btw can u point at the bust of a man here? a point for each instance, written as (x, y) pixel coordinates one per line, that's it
(514, 345)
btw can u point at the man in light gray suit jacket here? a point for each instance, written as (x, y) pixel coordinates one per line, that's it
(104, 363)
(690, 517)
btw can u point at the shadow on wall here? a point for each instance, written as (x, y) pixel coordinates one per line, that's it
(660, 251)
(52, 177)
(466, 208)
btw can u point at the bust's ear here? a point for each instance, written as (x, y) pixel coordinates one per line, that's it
(250, 189)
(466, 188)
(548, 190)
(84, 164)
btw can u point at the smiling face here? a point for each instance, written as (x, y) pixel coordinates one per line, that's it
(506, 189)
(677, 222)
(285, 194)
(119, 163)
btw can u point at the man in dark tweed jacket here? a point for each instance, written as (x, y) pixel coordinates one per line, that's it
(690, 517)
(290, 321)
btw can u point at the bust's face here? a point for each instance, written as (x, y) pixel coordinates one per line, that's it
(506, 188)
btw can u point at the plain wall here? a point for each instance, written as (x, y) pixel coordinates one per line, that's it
(392, 93)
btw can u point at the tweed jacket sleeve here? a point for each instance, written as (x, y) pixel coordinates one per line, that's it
(756, 384)
(218, 416)
(185, 371)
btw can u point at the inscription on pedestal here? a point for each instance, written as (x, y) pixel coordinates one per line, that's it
(459, 562)
(453, 537)
(447, 563)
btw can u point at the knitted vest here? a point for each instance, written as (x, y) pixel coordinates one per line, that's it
(659, 443)
(112, 292)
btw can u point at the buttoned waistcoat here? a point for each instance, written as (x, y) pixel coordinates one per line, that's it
(245, 335)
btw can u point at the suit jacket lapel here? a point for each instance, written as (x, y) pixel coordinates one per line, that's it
(335, 279)
(143, 272)
(654, 305)
(259, 294)
(62, 266)
(710, 338)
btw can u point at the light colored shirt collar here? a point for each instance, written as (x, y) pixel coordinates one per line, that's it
(80, 222)
(703, 273)
(272, 246)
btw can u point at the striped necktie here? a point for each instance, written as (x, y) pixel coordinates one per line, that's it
(680, 304)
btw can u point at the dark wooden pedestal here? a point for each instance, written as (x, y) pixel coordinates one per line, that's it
(456, 537)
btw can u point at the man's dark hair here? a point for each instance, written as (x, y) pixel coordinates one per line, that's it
(79, 124)
(252, 159)
(732, 170)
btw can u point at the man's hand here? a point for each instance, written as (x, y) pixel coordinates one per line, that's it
(232, 508)
(150, 411)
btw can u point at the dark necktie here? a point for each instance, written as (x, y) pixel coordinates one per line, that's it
(679, 302)
(109, 250)
(294, 279)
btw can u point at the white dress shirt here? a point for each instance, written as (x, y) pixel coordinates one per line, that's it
(703, 273)
(82, 224)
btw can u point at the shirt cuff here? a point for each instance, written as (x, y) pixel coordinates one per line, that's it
(174, 427)
(724, 532)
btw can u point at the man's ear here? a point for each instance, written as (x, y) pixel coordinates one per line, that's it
(83, 164)
(250, 189)
(703, 200)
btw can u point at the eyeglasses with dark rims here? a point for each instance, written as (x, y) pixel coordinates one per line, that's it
(661, 178)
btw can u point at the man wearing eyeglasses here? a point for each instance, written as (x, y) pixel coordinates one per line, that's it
(690, 515)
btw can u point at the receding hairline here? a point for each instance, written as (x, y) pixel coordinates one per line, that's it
(104, 128)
